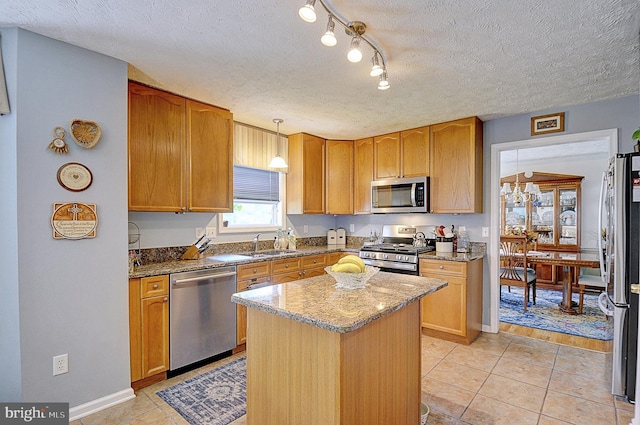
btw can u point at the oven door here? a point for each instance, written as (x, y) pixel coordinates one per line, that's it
(393, 266)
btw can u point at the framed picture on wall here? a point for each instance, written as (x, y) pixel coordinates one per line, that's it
(543, 124)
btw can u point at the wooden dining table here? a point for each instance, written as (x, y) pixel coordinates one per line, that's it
(570, 263)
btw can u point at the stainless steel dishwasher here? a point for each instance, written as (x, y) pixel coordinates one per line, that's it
(202, 318)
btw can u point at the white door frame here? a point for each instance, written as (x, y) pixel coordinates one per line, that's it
(607, 136)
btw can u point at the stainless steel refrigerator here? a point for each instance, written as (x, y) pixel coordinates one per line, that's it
(620, 249)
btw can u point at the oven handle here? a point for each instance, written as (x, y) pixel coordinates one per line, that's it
(391, 265)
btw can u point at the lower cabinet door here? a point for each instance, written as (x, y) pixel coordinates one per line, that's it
(155, 335)
(445, 310)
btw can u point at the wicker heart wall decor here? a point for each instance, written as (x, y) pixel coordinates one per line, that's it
(85, 133)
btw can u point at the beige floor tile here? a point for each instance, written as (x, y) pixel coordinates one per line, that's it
(492, 343)
(586, 363)
(546, 420)
(444, 398)
(240, 421)
(152, 417)
(467, 378)
(467, 356)
(624, 417)
(427, 363)
(121, 413)
(536, 344)
(530, 354)
(437, 418)
(523, 371)
(435, 347)
(486, 411)
(581, 386)
(577, 410)
(513, 392)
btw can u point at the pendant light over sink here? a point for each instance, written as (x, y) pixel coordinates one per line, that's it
(278, 163)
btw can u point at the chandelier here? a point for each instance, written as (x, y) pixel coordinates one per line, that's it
(355, 30)
(517, 195)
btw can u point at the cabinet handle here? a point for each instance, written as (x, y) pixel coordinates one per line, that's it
(286, 266)
(255, 270)
(155, 286)
(165, 299)
(441, 267)
(315, 261)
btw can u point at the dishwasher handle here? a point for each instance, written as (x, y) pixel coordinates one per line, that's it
(203, 277)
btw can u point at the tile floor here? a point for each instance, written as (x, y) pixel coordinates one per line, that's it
(499, 379)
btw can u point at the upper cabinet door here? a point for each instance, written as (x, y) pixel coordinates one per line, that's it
(210, 160)
(156, 150)
(386, 156)
(339, 172)
(306, 175)
(415, 152)
(456, 166)
(363, 175)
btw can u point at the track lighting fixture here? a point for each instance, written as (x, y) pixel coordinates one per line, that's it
(329, 38)
(355, 30)
(376, 69)
(355, 55)
(308, 12)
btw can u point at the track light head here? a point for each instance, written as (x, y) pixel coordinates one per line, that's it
(376, 69)
(329, 38)
(383, 84)
(308, 12)
(355, 55)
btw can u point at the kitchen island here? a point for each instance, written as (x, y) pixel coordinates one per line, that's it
(321, 355)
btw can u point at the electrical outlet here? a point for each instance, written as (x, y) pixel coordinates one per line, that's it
(305, 229)
(60, 364)
(199, 232)
(485, 232)
(352, 228)
(210, 232)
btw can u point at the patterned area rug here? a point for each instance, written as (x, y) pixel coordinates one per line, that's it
(217, 397)
(546, 315)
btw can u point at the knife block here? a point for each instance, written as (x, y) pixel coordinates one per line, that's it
(192, 253)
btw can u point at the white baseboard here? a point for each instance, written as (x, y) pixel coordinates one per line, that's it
(100, 404)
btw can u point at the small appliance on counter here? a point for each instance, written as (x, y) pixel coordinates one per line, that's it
(332, 238)
(341, 238)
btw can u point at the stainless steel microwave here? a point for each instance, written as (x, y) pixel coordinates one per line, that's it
(404, 195)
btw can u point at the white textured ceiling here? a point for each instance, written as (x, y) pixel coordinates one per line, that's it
(446, 59)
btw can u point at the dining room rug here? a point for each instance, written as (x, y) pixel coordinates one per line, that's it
(546, 315)
(216, 397)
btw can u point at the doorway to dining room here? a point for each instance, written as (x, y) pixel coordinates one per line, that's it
(582, 154)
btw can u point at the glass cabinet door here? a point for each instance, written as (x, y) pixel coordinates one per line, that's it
(543, 217)
(568, 219)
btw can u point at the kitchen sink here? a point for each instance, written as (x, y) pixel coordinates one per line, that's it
(229, 257)
(270, 253)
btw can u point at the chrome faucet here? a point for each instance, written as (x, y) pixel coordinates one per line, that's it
(255, 242)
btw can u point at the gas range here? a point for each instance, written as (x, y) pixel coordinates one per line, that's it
(396, 253)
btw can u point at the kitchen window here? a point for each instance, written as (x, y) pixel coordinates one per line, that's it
(257, 203)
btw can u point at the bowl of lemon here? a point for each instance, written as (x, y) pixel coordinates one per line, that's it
(350, 272)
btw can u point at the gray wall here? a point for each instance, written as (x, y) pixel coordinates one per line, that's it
(62, 296)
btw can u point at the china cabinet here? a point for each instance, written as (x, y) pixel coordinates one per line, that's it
(553, 214)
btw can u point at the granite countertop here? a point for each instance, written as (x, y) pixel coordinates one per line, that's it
(178, 266)
(317, 302)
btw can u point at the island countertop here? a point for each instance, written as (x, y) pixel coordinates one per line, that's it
(317, 302)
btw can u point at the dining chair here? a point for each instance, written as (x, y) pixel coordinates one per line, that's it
(589, 282)
(514, 267)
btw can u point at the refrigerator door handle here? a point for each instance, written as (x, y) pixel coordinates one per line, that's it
(607, 305)
(603, 193)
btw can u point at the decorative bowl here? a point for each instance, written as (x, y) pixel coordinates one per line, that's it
(352, 280)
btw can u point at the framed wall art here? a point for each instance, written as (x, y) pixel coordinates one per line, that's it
(543, 124)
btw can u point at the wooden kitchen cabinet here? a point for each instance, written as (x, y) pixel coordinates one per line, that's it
(178, 150)
(401, 154)
(362, 175)
(453, 313)
(148, 329)
(306, 175)
(456, 166)
(247, 275)
(339, 176)
(286, 270)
